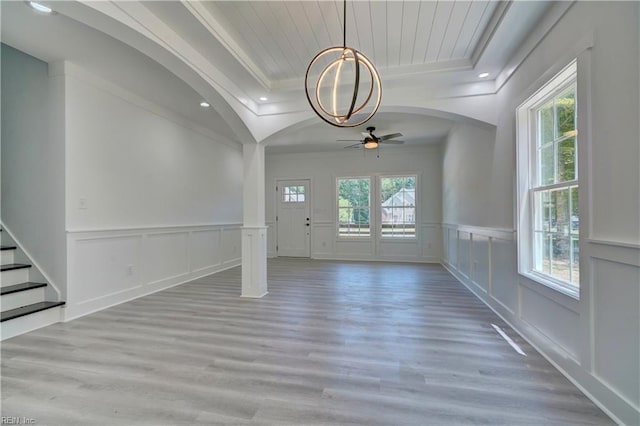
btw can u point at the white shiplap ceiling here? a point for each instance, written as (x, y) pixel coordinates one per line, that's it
(281, 37)
(431, 49)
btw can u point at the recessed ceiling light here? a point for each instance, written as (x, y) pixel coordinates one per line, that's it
(204, 104)
(483, 75)
(264, 98)
(40, 7)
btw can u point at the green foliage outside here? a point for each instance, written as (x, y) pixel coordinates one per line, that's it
(391, 185)
(353, 200)
(557, 164)
(354, 195)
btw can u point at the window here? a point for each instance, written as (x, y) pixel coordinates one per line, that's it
(549, 220)
(354, 207)
(293, 194)
(398, 206)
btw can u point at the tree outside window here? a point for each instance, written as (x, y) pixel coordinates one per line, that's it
(354, 207)
(548, 184)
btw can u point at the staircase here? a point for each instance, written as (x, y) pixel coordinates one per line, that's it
(23, 303)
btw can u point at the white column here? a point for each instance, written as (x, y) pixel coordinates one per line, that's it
(254, 231)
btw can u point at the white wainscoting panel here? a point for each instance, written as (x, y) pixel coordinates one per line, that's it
(617, 292)
(554, 321)
(354, 250)
(104, 267)
(271, 239)
(594, 341)
(323, 237)
(432, 242)
(400, 250)
(107, 267)
(452, 246)
(480, 262)
(231, 245)
(504, 268)
(166, 256)
(205, 249)
(464, 253)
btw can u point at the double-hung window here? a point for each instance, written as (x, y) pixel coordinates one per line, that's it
(398, 206)
(548, 213)
(354, 200)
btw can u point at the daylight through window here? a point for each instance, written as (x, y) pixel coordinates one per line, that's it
(548, 141)
(354, 207)
(398, 206)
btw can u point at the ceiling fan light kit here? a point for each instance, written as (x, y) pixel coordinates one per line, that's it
(370, 144)
(372, 141)
(330, 98)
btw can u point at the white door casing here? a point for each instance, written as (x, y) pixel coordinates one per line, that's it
(293, 220)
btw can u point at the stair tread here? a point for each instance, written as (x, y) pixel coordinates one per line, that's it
(29, 309)
(21, 287)
(2, 248)
(12, 266)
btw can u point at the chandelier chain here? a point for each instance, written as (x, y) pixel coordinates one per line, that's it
(344, 24)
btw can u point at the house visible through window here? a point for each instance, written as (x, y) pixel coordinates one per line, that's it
(398, 206)
(354, 207)
(548, 184)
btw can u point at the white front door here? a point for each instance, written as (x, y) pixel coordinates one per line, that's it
(293, 219)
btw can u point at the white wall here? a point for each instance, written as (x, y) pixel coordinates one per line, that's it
(33, 162)
(469, 149)
(152, 199)
(135, 165)
(323, 169)
(594, 340)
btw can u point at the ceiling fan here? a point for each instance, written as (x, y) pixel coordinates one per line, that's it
(372, 141)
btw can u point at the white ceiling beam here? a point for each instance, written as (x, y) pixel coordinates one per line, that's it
(202, 14)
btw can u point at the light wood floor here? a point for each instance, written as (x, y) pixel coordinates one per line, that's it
(333, 343)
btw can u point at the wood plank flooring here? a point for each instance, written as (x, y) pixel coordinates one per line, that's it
(333, 343)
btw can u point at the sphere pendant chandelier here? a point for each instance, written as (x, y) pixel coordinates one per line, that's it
(348, 90)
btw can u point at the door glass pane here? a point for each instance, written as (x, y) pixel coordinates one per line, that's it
(293, 194)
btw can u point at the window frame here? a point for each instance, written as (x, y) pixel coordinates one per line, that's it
(416, 207)
(354, 237)
(527, 175)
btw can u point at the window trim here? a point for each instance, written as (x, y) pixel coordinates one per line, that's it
(416, 207)
(526, 173)
(336, 210)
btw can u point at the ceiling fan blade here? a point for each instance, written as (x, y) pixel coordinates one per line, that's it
(390, 136)
(392, 142)
(366, 135)
(355, 145)
(348, 140)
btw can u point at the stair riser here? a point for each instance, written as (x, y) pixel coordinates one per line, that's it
(21, 298)
(28, 323)
(6, 257)
(15, 276)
